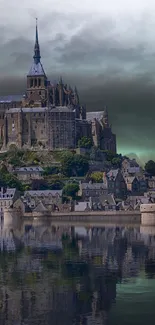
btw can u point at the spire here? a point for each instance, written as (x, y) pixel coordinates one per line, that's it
(105, 113)
(36, 47)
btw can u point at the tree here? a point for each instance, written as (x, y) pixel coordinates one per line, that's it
(116, 162)
(85, 142)
(67, 162)
(55, 183)
(81, 165)
(97, 177)
(74, 165)
(150, 167)
(51, 170)
(71, 189)
(39, 184)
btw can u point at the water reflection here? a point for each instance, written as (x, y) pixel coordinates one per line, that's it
(69, 275)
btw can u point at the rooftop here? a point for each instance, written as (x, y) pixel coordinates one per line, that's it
(7, 193)
(29, 169)
(36, 70)
(58, 109)
(43, 193)
(93, 115)
(93, 186)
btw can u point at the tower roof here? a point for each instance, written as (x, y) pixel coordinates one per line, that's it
(36, 68)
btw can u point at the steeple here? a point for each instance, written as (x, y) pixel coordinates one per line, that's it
(36, 56)
(37, 68)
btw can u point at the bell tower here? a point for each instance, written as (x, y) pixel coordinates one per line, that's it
(36, 94)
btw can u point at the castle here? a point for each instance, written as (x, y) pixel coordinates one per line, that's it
(49, 115)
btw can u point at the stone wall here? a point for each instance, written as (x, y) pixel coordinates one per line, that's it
(147, 214)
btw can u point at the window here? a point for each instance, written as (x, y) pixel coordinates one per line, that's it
(39, 84)
(35, 82)
(31, 83)
(40, 93)
(42, 131)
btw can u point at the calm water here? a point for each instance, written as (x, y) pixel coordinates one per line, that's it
(65, 275)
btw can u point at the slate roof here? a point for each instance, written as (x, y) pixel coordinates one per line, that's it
(107, 199)
(10, 192)
(113, 173)
(93, 186)
(62, 109)
(58, 109)
(93, 115)
(26, 110)
(36, 70)
(43, 193)
(29, 169)
(11, 98)
(40, 208)
(82, 206)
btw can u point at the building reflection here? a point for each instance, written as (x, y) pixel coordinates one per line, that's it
(65, 275)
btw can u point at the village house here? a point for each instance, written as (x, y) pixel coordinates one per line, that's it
(132, 184)
(48, 198)
(29, 173)
(90, 189)
(151, 183)
(105, 202)
(115, 183)
(82, 206)
(130, 167)
(143, 185)
(7, 198)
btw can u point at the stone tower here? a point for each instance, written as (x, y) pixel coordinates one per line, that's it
(36, 94)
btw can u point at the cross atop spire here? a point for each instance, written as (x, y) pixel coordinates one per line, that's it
(36, 47)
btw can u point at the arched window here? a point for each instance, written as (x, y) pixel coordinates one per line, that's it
(39, 82)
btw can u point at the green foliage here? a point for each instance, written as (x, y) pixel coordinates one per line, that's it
(150, 167)
(39, 184)
(74, 165)
(51, 170)
(70, 189)
(116, 162)
(109, 155)
(55, 183)
(85, 142)
(97, 177)
(9, 180)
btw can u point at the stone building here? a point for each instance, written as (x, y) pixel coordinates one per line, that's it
(47, 197)
(28, 173)
(49, 115)
(102, 134)
(7, 197)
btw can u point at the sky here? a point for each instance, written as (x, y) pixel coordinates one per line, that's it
(106, 48)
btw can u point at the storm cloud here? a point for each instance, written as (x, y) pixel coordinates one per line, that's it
(107, 50)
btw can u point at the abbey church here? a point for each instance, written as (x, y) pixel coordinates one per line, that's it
(50, 115)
